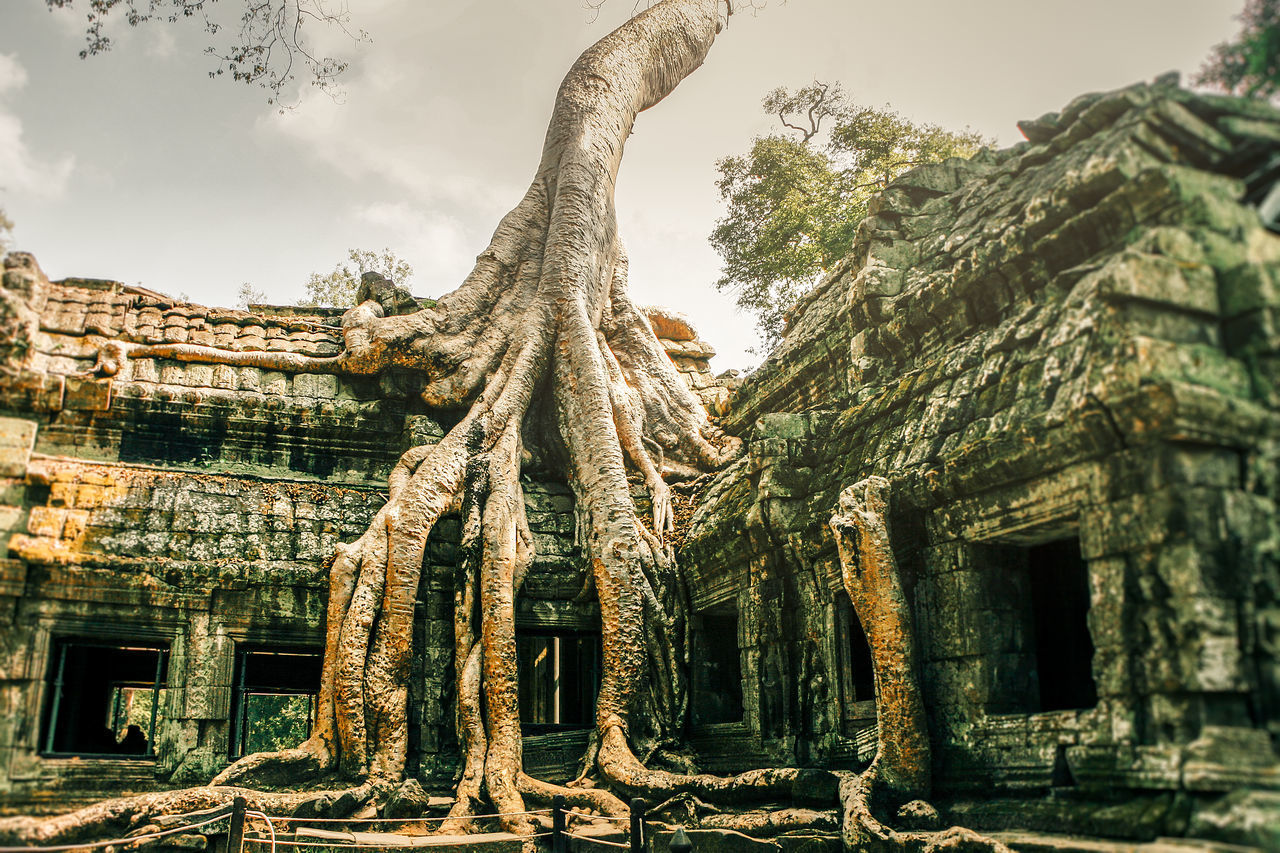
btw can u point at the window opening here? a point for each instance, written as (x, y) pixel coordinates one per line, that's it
(559, 676)
(857, 684)
(717, 669)
(276, 694)
(105, 700)
(1059, 586)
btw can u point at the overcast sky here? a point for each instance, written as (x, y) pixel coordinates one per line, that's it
(136, 166)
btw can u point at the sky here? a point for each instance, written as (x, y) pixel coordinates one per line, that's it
(136, 166)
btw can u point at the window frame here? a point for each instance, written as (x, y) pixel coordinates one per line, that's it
(697, 661)
(592, 687)
(856, 711)
(238, 734)
(56, 683)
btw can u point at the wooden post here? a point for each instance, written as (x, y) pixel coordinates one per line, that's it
(638, 841)
(235, 833)
(559, 842)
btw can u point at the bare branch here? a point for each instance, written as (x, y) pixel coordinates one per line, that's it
(269, 46)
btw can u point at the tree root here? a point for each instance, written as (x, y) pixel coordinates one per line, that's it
(764, 824)
(901, 770)
(124, 814)
(547, 306)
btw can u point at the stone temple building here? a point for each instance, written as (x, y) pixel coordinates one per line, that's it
(1064, 356)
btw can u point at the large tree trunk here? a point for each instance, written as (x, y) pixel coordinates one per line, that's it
(546, 303)
(546, 300)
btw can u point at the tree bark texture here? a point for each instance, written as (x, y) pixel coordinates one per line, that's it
(901, 771)
(545, 306)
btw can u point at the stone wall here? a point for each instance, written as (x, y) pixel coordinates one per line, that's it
(197, 506)
(1063, 356)
(1064, 347)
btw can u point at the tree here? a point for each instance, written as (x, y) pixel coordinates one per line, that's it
(550, 364)
(546, 307)
(339, 288)
(249, 295)
(1249, 65)
(793, 201)
(6, 229)
(268, 49)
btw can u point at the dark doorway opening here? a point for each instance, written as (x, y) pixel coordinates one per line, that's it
(716, 694)
(1059, 587)
(105, 699)
(856, 673)
(559, 676)
(276, 692)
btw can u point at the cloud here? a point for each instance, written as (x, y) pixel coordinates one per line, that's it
(160, 43)
(12, 75)
(20, 169)
(440, 249)
(345, 137)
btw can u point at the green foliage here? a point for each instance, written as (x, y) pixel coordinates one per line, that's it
(249, 295)
(793, 202)
(6, 232)
(277, 721)
(338, 288)
(788, 219)
(1250, 65)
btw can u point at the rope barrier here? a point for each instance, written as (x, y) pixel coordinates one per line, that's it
(598, 817)
(283, 819)
(270, 827)
(620, 844)
(356, 844)
(100, 844)
(272, 840)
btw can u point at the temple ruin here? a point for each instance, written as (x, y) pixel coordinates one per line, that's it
(1064, 357)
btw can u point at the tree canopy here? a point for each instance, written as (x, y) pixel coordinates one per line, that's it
(1249, 65)
(338, 288)
(796, 197)
(266, 43)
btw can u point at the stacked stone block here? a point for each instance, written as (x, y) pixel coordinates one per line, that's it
(1070, 340)
(198, 506)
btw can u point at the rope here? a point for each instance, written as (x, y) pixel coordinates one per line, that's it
(596, 816)
(515, 814)
(270, 827)
(336, 843)
(397, 819)
(591, 840)
(99, 844)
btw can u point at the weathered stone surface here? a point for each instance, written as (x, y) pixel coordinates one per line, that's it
(1071, 344)
(407, 801)
(1066, 342)
(1241, 817)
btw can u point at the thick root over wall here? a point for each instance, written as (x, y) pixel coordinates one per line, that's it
(544, 310)
(900, 776)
